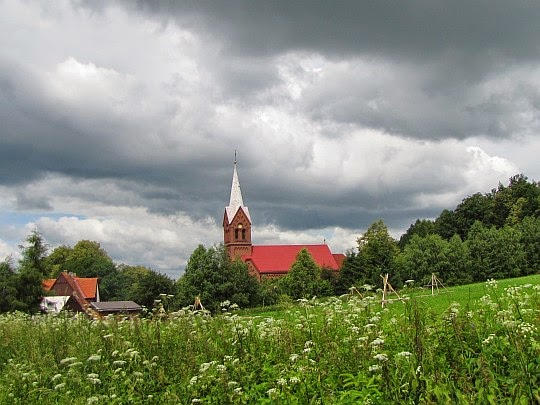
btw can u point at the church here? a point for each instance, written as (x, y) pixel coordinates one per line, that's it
(265, 261)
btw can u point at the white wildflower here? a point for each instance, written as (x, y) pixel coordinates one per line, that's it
(281, 382)
(377, 342)
(56, 377)
(68, 360)
(221, 368)
(381, 357)
(488, 340)
(272, 393)
(491, 283)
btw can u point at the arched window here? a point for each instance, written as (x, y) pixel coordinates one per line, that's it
(243, 234)
(236, 233)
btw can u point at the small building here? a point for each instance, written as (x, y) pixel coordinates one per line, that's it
(265, 261)
(69, 283)
(105, 308)
(81, 294)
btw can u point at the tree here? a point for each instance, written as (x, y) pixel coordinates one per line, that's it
(513, 203)
(458, 259)
(529, 230)
(88, 259)
(422, 257)
(32, 269)
(144, 285)
(377, 251)
(214, 278)
(445, 224)
(56, 260)
(304, 278)
(495, 253)
(422, 227)
(351, 272)
(8, 286)
(476, 207)
(29, 290)
(33, 254)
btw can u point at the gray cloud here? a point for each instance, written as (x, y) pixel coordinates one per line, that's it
(342, 113)
(411, 29)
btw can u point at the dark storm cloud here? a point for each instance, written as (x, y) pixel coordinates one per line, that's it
(340, 111)
(412, 29)
(448, 49)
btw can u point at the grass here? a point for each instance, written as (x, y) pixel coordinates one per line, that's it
(466, 296)
(475, 344)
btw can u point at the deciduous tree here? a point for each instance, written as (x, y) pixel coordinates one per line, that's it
(214, 278)
(377, 251)
(304, 278)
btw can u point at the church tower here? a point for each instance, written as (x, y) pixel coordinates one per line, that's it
(237, 222)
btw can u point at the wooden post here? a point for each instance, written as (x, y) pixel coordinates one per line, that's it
(387, 287)
(198, 304)
(385, 283)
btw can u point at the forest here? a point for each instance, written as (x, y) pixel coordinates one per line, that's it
(495, 235)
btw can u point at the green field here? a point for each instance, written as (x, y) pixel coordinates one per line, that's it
(442, 298)
(470, 344)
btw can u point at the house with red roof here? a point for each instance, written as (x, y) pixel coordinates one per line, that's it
(80, 292)
(265, 261)
(69, 284)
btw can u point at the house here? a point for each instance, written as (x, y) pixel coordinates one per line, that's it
(68, 283)
(265, 261)
(81, 294)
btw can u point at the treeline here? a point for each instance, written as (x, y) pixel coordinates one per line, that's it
(493, 235)
(21, 285)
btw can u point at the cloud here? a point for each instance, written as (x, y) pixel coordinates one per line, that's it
(120, 119)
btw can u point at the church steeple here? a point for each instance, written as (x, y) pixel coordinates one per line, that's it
(236, 201)
(236, 221)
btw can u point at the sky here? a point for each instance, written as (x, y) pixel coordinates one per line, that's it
(119, 120)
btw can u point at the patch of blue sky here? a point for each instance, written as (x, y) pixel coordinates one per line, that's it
(21, 219)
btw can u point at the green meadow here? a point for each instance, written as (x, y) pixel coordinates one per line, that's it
(470, 344)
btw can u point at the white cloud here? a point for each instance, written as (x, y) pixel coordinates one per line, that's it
(119, 124)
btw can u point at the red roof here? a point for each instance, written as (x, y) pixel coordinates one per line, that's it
(340, 258)
(279, 258)
(88, 286)
(48, 283)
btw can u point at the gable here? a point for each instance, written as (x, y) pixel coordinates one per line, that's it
(240, 216)
(66, 284)
(272, 259)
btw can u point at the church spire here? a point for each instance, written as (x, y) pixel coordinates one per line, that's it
(235, 201)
